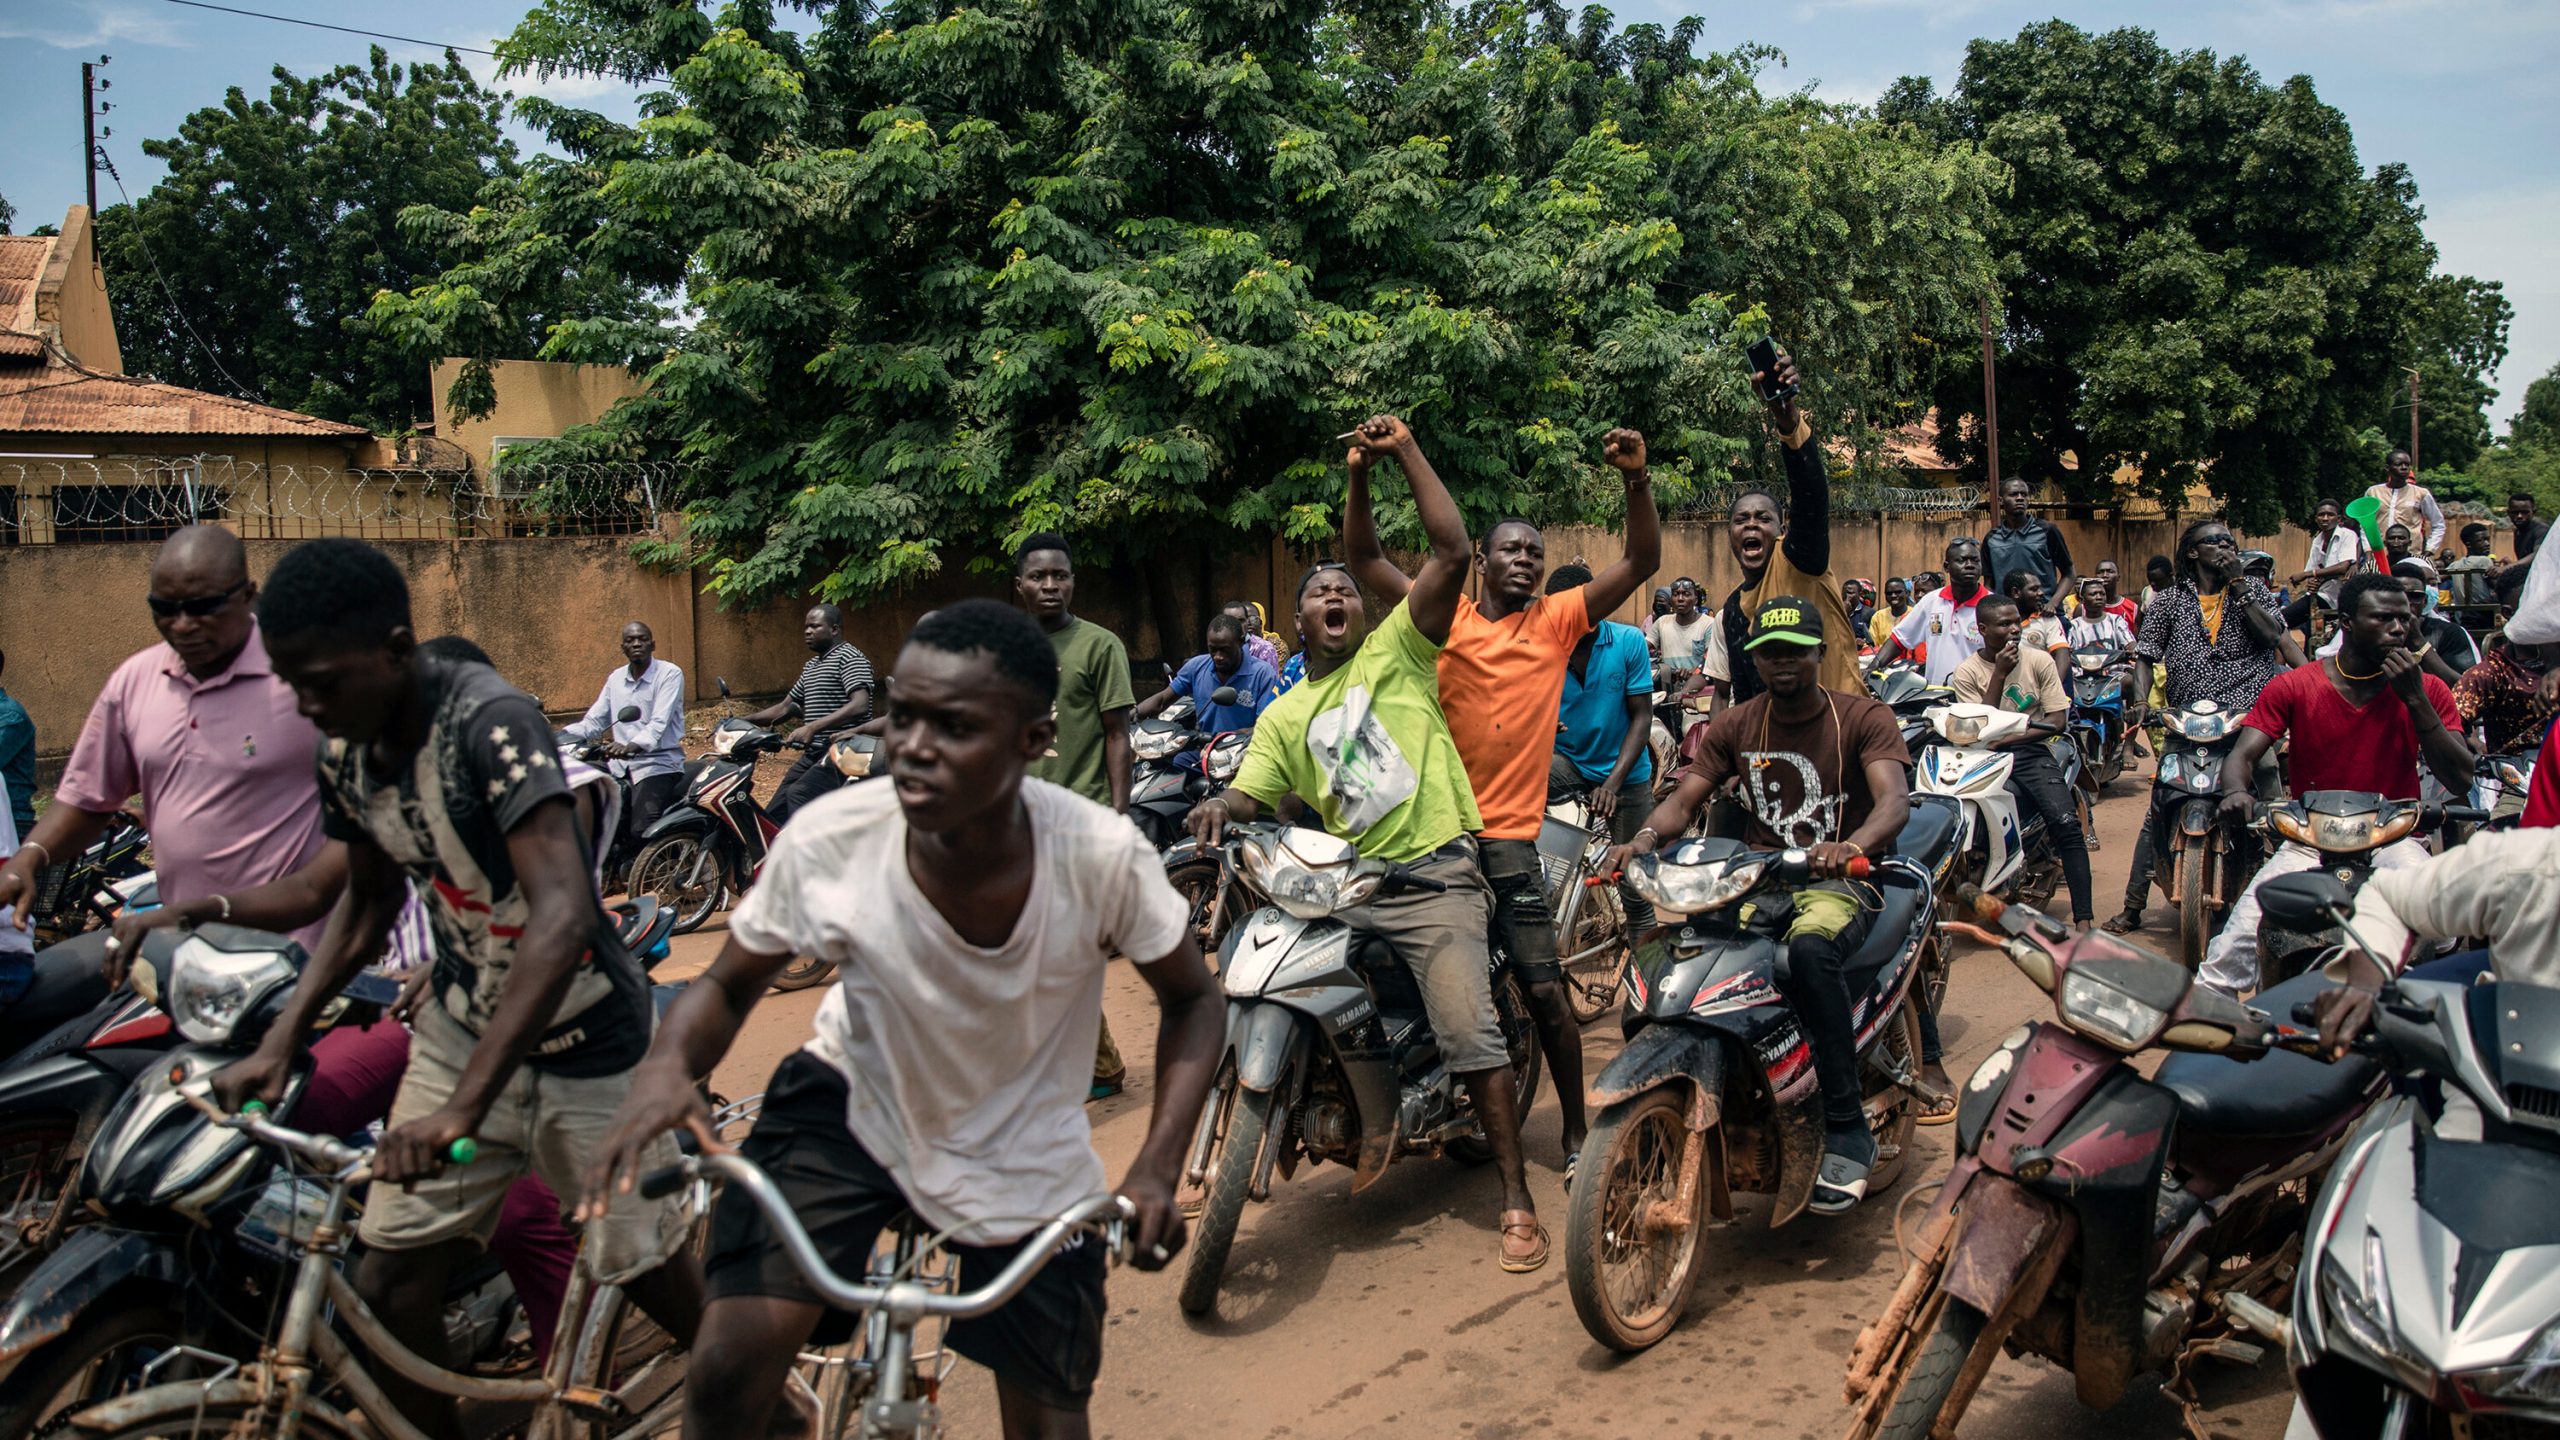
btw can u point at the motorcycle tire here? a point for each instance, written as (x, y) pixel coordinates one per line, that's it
(82, 1367)
(1213, 1235)
(1902, 1116)
(1933, 1371)
(2195, 908)
(1630, 1162)
(216, 1421)
(1196, 881)
(660, 871)
(1520, 1036)
(802, 973)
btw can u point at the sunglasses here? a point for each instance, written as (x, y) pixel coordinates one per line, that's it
(199, 607)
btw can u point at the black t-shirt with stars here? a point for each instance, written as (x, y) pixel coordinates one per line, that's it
(443, 817)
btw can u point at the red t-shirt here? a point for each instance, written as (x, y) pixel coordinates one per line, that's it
(2338, 746)
(2542, 798)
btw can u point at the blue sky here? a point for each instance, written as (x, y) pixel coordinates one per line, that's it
(2455, 89)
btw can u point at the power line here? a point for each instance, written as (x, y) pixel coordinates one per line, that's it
(341, 29)
(175, 306)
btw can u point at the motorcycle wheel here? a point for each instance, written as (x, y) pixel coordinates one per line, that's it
(2195, 908)
(1901, 1118)
(1214, 1234)
(99, 1357)
(682, 876)
(1196, 881)
(1520, 1036)
(1933, 1371)
(802, 973)
(1630, 1281)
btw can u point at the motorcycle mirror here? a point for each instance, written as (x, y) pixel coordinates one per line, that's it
(723, 681)
(2305, 900)
(626, 714)
(1223, 695)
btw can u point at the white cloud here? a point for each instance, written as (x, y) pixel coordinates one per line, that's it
(88, 27)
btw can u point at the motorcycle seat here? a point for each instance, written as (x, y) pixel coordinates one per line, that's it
(1903, 893)
(1930, 832)
(2280, 1093)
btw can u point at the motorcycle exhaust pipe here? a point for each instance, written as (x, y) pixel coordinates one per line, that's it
(2257, 1319)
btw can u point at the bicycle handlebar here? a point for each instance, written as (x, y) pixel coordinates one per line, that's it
(1108, 1214)
(351, 1162)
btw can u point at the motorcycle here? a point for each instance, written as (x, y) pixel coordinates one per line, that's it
(1165, 787)
(1329, 1053)
(2503, 783)
(2112, 1224)
(708, 846)
(77, 898)
(2348, 828)
(2433, 1305)
(1715, 1090)
(2003, 849)
(619, 849)
(1903, 688)
(2200, 870)
(2098, 677)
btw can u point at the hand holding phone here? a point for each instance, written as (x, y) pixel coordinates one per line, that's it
(1772, 371)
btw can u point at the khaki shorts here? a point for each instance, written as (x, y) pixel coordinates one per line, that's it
(1441, 939)
(550, 1125)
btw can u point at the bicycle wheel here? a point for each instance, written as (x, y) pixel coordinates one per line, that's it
(185, 1419)
(1591, 935)
(100, 1357)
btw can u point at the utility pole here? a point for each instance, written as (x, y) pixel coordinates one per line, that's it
(2413, 417)
(1990, 410)
(90, 109)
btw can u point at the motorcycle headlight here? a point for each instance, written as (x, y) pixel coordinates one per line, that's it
(2291, 826)
(2532, 1377)
(1225, 758)
(2342, 832)
(2201, 726)
(1962, 729)
(2091, 664)
(209, 989)
(1696, 889)
(2103, 1012)
(2364, 1314)
(1307, 891)
(1152, 744)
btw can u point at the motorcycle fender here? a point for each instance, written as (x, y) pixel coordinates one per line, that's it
(684, 819)
(2196, 818)
(1657, 1055)
(2004, 1232)
(1263, 1039)
(91, 1262)
(77, 1085)
(1187, 849)
(2107, 1165)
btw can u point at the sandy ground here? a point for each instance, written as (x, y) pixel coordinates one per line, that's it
(1387, 1315)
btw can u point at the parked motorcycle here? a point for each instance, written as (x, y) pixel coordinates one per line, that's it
(2098, 677)
(81, 896)
(1329, 1053)
(2200, 870)
(2003, 848)
(1168, 781)
(1715, 1090)
(2349, 828)
(2434, 1302)
(2112, 1224)
(1905, 690)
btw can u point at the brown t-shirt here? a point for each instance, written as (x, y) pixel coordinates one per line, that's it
(1801, 784)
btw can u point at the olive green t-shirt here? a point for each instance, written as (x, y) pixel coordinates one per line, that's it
(1368, 747)
(1093, 677)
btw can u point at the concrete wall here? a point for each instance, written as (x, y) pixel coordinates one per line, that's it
(536, 398)
(71, 296)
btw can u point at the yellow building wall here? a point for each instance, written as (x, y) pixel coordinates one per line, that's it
(536, 399)
(72, 294)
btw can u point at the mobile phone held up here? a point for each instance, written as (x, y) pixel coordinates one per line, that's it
(1763, 355)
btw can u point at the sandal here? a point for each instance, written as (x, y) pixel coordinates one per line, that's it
(1937, 1106)
(2124, 924)
(1523, 1223)
(1572, 1162)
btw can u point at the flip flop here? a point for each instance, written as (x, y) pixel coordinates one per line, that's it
(1572, 1162)
(1515, 1222)
(1937, 1109)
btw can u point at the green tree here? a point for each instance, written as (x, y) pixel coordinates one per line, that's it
(2538, 423)
(249, 267)
(8, 214)
(2460, 334)
(2199, 279)
(1123, 268)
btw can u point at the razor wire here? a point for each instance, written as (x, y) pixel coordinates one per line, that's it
(1848, 497)
(67, 502)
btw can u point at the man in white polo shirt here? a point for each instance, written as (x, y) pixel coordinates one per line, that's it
(1940, 632)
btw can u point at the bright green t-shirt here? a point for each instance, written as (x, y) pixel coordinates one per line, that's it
(1368, 747)
(1093, 676)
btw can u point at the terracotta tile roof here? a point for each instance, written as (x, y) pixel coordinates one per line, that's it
(22, 260)
(56, 398)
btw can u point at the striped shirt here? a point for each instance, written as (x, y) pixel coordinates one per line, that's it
(826, 682)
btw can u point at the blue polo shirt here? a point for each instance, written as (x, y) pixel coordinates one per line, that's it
(1594, 709)
(1255, 684)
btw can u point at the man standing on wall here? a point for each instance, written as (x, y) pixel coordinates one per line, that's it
(2406, 502)
(832, 696)
(2021, 541)
(1091, 754)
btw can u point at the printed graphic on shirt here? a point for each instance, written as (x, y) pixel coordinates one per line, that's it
(1812, 819)
(1364, 772)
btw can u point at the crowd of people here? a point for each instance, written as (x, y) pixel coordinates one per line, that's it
(308, 764)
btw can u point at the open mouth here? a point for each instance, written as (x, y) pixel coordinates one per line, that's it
(1334, 621)
(915, 790)
(1752, 549)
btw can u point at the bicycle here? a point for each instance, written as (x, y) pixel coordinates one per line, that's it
(293, 1387)
(1592, 944)
(895, 1386)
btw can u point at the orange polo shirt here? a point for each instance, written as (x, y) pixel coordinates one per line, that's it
(1501, 684)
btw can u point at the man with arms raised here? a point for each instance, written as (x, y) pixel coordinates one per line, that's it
(1786, 551)
(440, 773)
(1363, 741)
(1502, 673)
(969, 911)
(1826, 771)
(2363, 719)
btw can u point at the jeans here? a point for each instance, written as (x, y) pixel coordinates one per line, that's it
(809, 777)
(1828, 927)
(2151, 843)
(2037, 780)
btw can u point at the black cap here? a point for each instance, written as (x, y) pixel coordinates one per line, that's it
(1787, 620)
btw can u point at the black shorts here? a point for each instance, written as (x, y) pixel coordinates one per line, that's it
(1045, 1342)
(1522, 919)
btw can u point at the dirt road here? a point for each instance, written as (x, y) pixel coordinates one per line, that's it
(1386, 1315)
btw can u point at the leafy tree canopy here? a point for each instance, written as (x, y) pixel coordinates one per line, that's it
(250, 266)
(2200, 280)
(1123, 267)
(2538, 423)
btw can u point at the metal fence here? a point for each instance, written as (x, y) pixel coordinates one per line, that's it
(74, 502)
(1848, 497)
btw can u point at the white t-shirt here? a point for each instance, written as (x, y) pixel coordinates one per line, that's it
(1683, 647)
(1942, 633)
(1719, 666)
(965, 1068)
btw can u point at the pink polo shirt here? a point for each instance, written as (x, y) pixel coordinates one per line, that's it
(224, 767)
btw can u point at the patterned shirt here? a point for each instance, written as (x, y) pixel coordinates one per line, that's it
(2228, 668)
(825, 683)
(2504, 701)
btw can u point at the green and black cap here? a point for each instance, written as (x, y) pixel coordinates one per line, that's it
(1786, 620)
